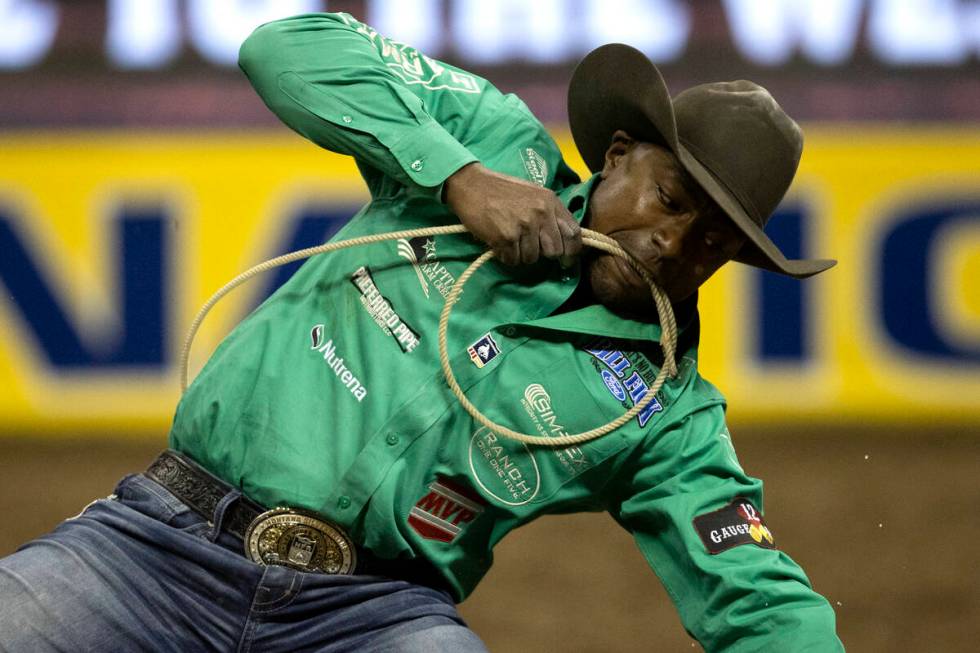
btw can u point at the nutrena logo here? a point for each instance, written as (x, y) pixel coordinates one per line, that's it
(445, 510)
(735, 524)
(336, 362)
(316, 334)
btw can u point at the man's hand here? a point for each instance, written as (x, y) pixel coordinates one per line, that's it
(518, 220)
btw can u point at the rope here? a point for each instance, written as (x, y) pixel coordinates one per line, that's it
(668, 338)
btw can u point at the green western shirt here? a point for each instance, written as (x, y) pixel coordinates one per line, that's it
(330, 396)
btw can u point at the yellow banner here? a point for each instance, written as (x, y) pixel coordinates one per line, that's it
(110, 242)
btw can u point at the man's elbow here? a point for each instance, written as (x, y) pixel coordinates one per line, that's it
(291, 44)
(259, 50)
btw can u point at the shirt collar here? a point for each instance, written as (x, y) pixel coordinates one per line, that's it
(598, 320)
(576, 197)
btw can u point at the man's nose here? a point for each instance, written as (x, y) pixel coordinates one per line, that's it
(670, 239)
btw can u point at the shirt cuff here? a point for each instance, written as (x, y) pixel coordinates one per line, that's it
(429, 155)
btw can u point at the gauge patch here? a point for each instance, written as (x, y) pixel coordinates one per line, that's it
(736, 524)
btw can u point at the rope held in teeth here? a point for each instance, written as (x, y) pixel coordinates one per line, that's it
(668, 338)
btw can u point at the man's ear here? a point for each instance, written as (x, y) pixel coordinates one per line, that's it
(621, 144)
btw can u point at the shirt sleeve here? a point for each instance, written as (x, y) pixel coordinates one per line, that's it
(697, 518)
(348, 89)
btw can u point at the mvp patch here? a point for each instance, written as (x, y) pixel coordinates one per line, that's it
(445, 510)
(735, 524)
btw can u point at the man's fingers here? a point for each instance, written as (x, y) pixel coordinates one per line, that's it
(571, 238)
(550, 239)
(530, 249)
(508, 252)
(521, 224)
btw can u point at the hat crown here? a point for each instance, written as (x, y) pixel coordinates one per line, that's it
(743, 137)
(732, 137)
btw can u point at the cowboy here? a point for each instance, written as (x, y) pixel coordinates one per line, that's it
(291, 513)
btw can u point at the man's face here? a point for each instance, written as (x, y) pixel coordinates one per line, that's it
(649, 204)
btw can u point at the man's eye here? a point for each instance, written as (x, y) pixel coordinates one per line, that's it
(665, 198)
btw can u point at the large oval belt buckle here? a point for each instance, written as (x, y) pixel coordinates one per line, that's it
(301, 540)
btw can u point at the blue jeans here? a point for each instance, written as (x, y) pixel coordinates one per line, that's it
(138, 572)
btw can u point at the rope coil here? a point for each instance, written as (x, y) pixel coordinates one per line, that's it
(668, 338)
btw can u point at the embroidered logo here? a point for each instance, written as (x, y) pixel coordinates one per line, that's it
(537, 404)
(421, 253)
(613, 384)
(619, 384)
(736, 524)
(336, 363)
(483, 350)
(380, 309)
(504, 468)
(445, 510)
(536, 166)
(412, 66)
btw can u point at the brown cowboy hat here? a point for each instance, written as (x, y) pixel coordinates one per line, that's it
(732, 138)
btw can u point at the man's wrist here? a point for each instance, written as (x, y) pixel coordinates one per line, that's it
(457, 181)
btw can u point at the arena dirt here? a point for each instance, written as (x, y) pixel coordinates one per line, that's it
(887, 526)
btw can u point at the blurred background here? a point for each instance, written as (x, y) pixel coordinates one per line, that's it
(139, 172)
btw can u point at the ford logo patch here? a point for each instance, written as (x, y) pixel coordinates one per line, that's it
(613, 384)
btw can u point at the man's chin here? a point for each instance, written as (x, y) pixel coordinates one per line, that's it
(615, 292)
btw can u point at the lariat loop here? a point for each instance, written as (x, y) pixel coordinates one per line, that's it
(668, 326)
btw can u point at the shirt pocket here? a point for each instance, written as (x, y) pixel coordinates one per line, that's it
(560, 401)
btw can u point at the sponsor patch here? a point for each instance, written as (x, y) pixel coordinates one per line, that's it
(613, 384)
(326, 346)
(503, 468)
(421, 253)
(537, 404)
(736, 524)
(536, 166)
(443, 512)
(382, 312)
(483, 350)
(627, 376)
(412, 66)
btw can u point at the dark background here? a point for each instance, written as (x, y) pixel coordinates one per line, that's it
(75, 84)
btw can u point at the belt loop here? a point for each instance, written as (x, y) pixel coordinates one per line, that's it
(219, 513)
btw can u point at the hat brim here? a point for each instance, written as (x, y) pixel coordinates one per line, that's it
(617, 87)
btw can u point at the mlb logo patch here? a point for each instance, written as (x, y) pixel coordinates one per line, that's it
(483, 350)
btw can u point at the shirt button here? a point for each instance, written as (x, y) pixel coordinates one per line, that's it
(343, 502)
(417, 165)
(392, 439)
(510, 331)
(347, 119)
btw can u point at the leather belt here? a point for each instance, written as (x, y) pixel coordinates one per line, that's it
(281, 536)
(201, 491)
